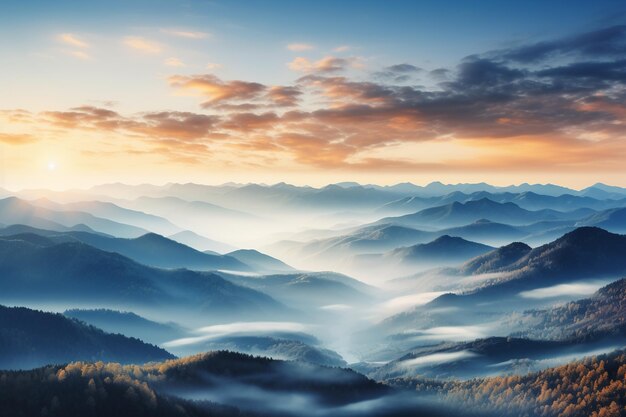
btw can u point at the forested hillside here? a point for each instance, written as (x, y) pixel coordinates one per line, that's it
(593, 387)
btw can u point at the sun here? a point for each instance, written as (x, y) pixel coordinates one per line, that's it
(52, 165)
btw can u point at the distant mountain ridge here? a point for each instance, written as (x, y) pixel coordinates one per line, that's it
(317, 289)
(201, 243)
(458, 214)
(497, 259)
(16, 211)
(260, 262)
(127, 323)
(585, 253)
(527, 200)
(111, 211)
(35, 268)
(445, 248)
(149, 249)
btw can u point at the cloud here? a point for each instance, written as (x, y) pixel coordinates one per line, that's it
(236, 94)
(239, 329)
(405, 302)
(178, 125)
(440, 74)
(216, 90)
(336, 307)
(85, 117)
(606, 42)
(174, 62)
(403, 68)
(536, 114)
(298, 47)
(73, 40)
(78, 54)
(569, 290)
(182, 137)
(342, 48)
(213, 66)
(436, 358)
(247, 122)
(451, 333)
(17, 138)
(143, 45)
(186, 34)
(166, 124)
(284, 96)
(398, 73)
(324, 65)
(557, 105)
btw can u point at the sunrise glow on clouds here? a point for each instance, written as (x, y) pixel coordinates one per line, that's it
(179, 98)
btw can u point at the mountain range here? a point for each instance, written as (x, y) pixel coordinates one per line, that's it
(443, 251)
(458, 214)
(16, 211)
(260, 262)
(314, 289)
(149, 249)
(499, 280)
(36, 269)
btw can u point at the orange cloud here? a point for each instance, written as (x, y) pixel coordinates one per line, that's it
(186, 34)
(73, 40)
(216, 90)
(174, 62)
(284, 96)
(17, 138)
(324, 65)
(142, 45)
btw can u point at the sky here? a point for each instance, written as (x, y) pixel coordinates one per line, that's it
(312, 92)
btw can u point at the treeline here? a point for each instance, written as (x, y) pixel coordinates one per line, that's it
(593, 387)
(111, 389)
(93, 389)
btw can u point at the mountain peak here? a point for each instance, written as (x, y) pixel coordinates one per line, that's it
(152, 237)
(586, 233)
(448, 238)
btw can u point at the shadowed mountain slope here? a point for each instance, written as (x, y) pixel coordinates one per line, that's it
(30, 338)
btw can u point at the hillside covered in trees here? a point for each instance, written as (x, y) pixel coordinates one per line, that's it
(604, 312)
(111, 389)
(31, 338)
(216, 384)
(593, 387)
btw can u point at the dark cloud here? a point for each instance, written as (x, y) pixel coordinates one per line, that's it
(440, 74)
(398, 73)
(403, 68)
(600, 74)
(609, 41)
(483, 73)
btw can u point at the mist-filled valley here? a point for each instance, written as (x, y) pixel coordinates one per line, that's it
(355, 300)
